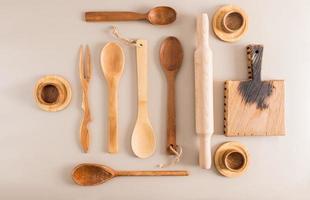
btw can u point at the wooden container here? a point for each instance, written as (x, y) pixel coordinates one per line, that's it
(52, 93)
(231, 159)
(230, 23)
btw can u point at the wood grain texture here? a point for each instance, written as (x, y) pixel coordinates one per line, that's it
(143, 138)
(88, 174)
(85, 76)
(204, 91)
(160, 15)
(52, 93)
(113, 16)
(230, 23)
(112, 65)
(171, 57)
(254, 107)
(231, 159)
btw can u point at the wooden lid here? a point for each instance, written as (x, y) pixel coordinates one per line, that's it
(230, 23)
(52, 93)
(231, 159)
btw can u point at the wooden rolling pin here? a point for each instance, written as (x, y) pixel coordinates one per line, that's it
(204, 91)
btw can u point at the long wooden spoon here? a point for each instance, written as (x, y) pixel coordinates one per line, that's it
(161, 15)
(171, 57)
(142, 140)
(94, 174)
(112, 64)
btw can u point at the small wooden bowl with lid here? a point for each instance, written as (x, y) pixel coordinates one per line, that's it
(52, 93)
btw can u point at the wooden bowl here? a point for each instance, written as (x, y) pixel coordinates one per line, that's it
(231, 159)
(230, 23)
(52, 93)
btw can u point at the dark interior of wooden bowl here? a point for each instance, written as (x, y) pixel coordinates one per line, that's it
(235, 161)
(234, 21)
(49, 93)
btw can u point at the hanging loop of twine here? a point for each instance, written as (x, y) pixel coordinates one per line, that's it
(128, 41)
(177, 157)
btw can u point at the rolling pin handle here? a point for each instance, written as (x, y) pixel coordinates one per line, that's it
(205, 159)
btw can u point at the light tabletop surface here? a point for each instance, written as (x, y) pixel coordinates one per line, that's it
(39, 149)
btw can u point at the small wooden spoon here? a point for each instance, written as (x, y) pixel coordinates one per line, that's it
(112, 64)
(171, 57)
(142, 139)
(158, 16)
(94, 174)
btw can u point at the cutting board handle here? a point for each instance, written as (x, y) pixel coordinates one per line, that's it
(255, 56)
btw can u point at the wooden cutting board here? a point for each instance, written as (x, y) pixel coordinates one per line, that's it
(254, 107)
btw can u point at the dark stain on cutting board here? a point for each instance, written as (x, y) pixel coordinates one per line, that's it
(255, 90)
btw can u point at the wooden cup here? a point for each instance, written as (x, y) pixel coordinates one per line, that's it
(234, 160)
(233, 21)
(52, 93)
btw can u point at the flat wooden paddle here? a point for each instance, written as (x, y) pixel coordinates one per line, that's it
(254, 107)
(94, 174)
(171, 57)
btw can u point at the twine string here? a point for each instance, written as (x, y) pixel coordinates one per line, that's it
(176, 157)
(126, 40)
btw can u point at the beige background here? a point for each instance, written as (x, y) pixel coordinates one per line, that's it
(39, 149)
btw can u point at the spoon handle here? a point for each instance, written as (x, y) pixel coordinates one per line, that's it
(113, 16)
(152, 173)
(171, 124)
(113, 119)
(142, 78)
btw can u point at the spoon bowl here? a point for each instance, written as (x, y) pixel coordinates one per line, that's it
(171, 54)
(112, 60)
(142, 139)
(161, 15)
(91, 174)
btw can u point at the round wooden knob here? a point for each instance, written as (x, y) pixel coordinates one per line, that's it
(52, 93)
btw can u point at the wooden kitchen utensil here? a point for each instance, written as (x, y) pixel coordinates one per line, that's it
(204, 91)
(85, 70)
(143, 139)
(112, 65)
(171, 57)
(94, 174)
(52, 93)
(231, 159)
(161, 15)
(254, 107)
(230, 23)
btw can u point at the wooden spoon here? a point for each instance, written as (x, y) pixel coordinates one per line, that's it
(112, 64)
(94, 174)
(142, 140)
(171, 57)
(158, 16)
